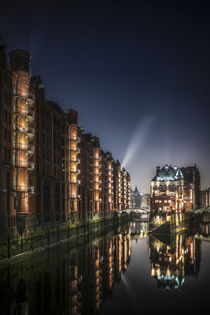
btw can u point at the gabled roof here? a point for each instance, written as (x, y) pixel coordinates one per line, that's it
(168, 173)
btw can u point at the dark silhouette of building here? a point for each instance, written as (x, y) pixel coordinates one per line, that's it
(205, 198)
(191, 187)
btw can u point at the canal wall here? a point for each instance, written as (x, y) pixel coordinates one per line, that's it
(49, 236)
(171, 224)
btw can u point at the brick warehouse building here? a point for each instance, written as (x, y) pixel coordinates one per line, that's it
(51, 171)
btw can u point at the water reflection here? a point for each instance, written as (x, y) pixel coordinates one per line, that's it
(73, 282)
(80, 281)
(139, 229)
(173, 258)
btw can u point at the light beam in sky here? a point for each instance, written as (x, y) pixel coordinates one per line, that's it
(138, 139)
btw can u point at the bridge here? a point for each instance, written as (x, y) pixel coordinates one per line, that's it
(135, 210)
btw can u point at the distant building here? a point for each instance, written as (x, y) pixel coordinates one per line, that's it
(145, 200)
(135, 198)
(167, 189)
(205, 198)
(191, 187)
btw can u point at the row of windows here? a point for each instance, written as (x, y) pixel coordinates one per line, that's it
(164, 187)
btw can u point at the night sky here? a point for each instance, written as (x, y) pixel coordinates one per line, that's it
(138, 72)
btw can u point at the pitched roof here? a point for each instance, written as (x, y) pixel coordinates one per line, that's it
(168, 173)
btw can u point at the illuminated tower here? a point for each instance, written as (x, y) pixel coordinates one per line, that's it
(96, 175)
(128, 191)
(74, 162)
(124, 188)
(117, 186)
(109, 182)
(23, 132)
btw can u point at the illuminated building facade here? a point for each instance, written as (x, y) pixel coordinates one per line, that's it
(167, 189)
(126, 189)
(117, 186)
(51, 171)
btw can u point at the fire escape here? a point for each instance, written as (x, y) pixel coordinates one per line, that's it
(23, 151)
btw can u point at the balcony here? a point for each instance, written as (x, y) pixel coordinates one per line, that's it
(97, 189)
(29, 99)
(23, 188)
(24, 147)
(28, 113)
(26, 130)
(24, 164)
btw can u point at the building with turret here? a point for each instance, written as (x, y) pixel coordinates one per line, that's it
(167, 189)
(175, 188)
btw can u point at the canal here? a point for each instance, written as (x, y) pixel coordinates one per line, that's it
(122, 272)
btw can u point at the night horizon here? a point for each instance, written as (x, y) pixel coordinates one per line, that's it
(128, 69)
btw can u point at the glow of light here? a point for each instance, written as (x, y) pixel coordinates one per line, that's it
(138, 139)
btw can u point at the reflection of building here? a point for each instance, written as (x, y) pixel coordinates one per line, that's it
(191, 187)
(205, 198)
(71, 282)
(167, 189)
(173, 260)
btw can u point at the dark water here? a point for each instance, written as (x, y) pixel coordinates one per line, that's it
(126, 272)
